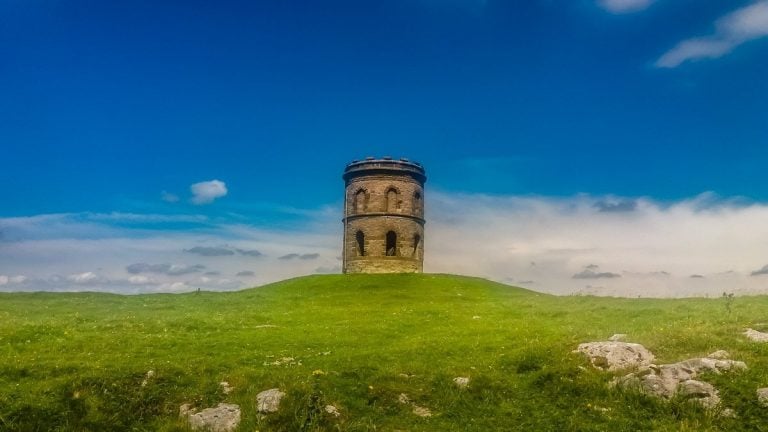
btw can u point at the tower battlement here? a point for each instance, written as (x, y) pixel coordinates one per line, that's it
(384, 216)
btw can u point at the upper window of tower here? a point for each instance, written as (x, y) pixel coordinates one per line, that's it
(417, 203)
(360, 203)
(393, 200)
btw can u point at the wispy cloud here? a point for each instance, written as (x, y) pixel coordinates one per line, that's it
(167, 269)
(169, 197)
(732, 30)
(220, 251)
(208, 191)
(762, 271)
(591, 272)
(84, 278)
(608, 206)
(306, 256)
(624, 6)
(210, 251)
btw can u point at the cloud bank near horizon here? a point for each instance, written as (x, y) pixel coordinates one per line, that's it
(639, 247)
(606, 245)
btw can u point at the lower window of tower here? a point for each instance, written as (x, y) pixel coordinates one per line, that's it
(391, 249)
(360, 237)
(416, 241)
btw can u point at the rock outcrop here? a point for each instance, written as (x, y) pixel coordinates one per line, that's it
(762, 396)
(756, 335)
(268, 401)
(681, 379)
(461, 382)
(222, 418)
(615, 355)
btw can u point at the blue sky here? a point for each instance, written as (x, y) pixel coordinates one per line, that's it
(112, 111)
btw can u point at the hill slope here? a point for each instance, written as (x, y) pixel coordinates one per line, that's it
(77, 361)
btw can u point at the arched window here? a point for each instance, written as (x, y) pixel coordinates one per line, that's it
(393, 200)
(360, 237)
(416, 241)
(391, 249)
(361, 201)
(417, 203)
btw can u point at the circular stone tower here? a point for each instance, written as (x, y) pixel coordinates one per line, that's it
(384, 216)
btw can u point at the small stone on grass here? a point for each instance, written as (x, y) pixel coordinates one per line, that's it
(422, 411)
(762, 396)
(719, 355)
(461, 382)
(223, 418)
(755, 335)
(332, 410)
(268, 401)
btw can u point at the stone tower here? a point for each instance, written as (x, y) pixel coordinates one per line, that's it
(384, 216)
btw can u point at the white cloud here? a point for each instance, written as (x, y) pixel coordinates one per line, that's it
(83, 278)
(732, 30)
(624, 6)
(139, 280)
(206, 192)
(3, 280)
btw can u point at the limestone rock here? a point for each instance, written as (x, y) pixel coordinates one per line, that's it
(668, 380)
(150, 374)
(713, 365)
(756, 335)
(613, 355)
(719, 355)
(332, 410)
(762, 396)
(222, 418)
(225, 387)
(700, 392)
(618, 337)
(461, 382)
(418, 410)
(268, 401)
(422, 411)
(185, 410)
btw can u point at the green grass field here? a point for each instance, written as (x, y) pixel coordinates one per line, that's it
(76, 361)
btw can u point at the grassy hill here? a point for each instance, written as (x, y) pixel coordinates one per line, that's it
(75, 362)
